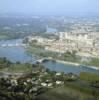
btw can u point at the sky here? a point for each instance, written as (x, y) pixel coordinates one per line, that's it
(49, 6)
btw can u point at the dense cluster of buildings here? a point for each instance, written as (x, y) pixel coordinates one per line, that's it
(83, 43)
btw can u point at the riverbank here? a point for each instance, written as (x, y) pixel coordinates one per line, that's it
(71, 63)
(23, 56)
(77, 64)
(92, 67)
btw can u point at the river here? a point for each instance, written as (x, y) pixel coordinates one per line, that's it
(51, 30)
(15, 53)
(20, 54)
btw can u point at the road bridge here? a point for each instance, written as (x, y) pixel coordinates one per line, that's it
(13, 45)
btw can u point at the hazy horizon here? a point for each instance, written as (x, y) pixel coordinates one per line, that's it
(50, 7)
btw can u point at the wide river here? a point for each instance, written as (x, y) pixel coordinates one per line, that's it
(19, 54)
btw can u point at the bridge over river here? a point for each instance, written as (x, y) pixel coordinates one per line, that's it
(13, 45)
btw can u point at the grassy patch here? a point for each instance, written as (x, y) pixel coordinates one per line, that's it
(89, 76)
(18, 68)
(65, 93)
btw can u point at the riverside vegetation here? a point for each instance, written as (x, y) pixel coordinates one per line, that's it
(37, 83)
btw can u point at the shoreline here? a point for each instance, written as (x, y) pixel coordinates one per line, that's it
(60, 61)
(77, 64)
(92, 67)
(72, 63)
(66, 62)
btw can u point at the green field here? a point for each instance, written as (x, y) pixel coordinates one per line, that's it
(65, 93)
(89, 76)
